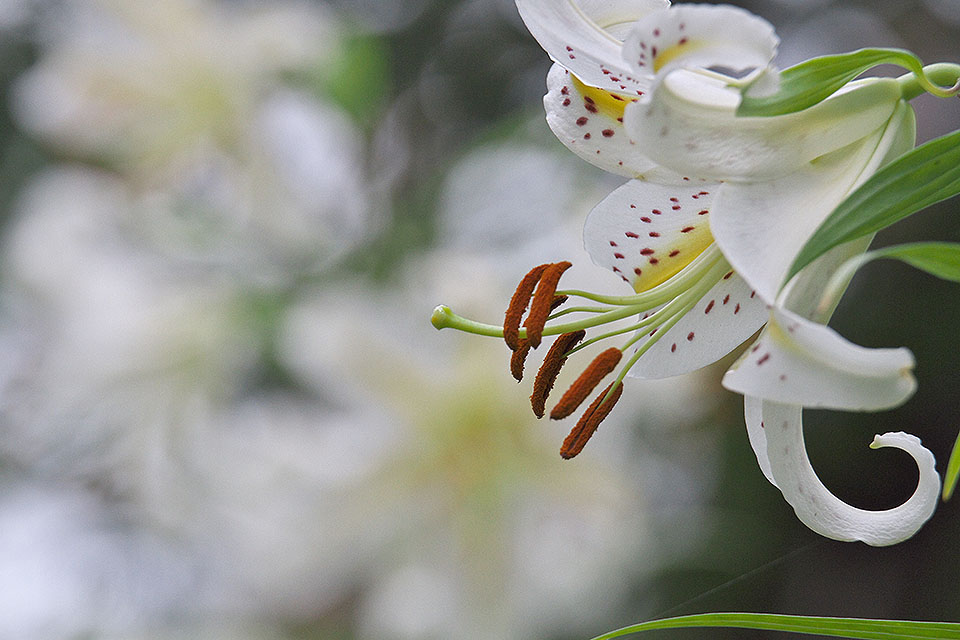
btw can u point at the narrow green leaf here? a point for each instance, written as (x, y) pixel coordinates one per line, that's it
(917, 179)
(941, 259)
(856, 628)
(953, 471)
(811, 81)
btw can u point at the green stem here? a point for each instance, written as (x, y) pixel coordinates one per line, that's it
(704, 268)
(942, 79)
(860, 628)
(444, 318)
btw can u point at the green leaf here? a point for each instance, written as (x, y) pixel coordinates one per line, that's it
(811, 81)
(941, 259)
(917, 179)
(953, 471)
(857, 628)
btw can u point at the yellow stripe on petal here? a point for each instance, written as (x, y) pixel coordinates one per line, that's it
(700, 36)
(647, 232)
(669, 260)
(682, 48)
(589, 122)
(608, 103)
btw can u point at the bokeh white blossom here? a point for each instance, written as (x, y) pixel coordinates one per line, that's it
(232, 165)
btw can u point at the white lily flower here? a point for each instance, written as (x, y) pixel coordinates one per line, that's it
(717, 209)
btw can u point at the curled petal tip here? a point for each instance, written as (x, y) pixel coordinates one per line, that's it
(784, 449)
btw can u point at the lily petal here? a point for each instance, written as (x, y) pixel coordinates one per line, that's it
(581, 36)
(786, 458)
(796, 361)
(804, 294)
(722, 320)
(761, 226)
(753, 417)
(646, 232)
(697, 35)
(589, 122)
(689, 124)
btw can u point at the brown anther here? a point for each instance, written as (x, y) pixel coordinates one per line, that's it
(589, 421)
(542, 301)
(596, 371)
(518, 358)
(557, 301)
(550, 369)
(518, 304)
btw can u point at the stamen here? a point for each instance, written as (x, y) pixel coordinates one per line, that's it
(590, 420)
(596, 371)
(557, 301)
(542, 301)
(550, 369)
(518, 358)
(518, 304)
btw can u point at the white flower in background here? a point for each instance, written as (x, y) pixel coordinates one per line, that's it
(189, 101)
(138, 378)
(14, 14)
(365, 473)
(492, 536)
(707, 228)
(112, 344)
(72, 564)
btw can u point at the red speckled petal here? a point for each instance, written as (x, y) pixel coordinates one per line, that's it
(722, 320)
(582, 36)
(797, 361)
(646, 232)
(700, 36)
(590, 123)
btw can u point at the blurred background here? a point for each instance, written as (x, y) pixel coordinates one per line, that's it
(223, 410)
